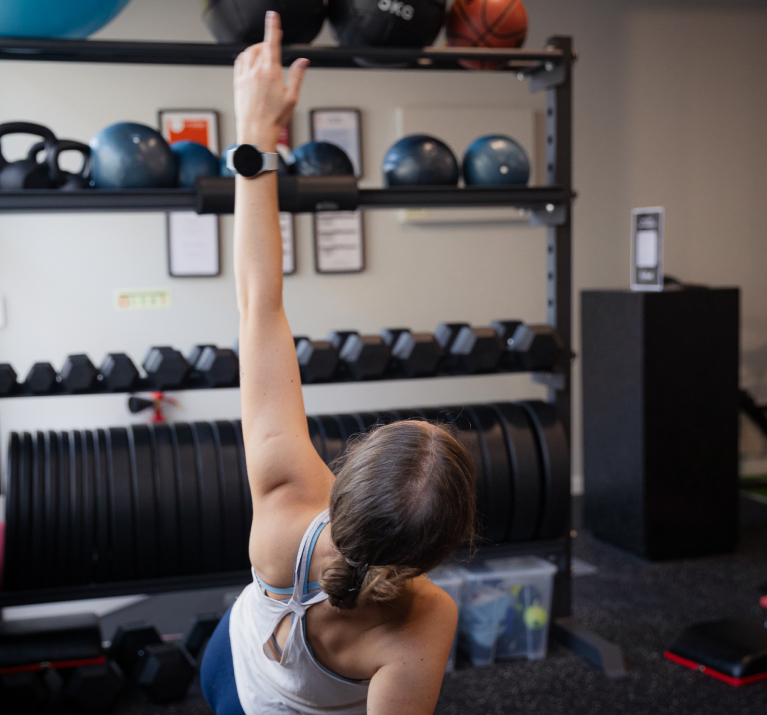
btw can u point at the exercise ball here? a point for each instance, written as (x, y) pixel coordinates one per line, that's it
(419, 159)
(224, 170)
(131, 156)
(72, 19)
(486, 23)
(242, 21)
(320, 159)
(192, 160)
(388, 23)
(495, 160)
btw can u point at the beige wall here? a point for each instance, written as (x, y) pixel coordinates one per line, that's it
(669, 109)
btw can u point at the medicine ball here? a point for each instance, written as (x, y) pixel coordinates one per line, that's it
(193, 160)
(419, 159)
(495, 160)
(486, 23)
(391, 23)
(242, 21)
(224, 170)
(131, 156)
(73, 19)
(320, 159)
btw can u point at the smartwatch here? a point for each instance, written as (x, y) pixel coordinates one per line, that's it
(249, 161)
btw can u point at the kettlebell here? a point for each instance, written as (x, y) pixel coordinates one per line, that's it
(65, 180)
(25, 173)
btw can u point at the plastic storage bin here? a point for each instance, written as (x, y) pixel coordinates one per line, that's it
(506, 609)
(451, 581)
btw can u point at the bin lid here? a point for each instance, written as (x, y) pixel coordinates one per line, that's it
(518, 567)
(445, 576)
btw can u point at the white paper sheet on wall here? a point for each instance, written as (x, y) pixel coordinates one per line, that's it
(338, 242)
(193, 244)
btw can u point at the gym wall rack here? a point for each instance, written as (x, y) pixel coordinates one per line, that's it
(548, 70)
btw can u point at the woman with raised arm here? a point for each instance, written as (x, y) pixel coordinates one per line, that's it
(340, 617)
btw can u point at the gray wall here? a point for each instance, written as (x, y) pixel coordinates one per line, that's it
(669, 109)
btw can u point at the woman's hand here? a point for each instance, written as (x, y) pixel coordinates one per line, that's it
(263, 103)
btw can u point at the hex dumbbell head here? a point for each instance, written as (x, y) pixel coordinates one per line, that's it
(537, 347)
(78, 374)
(194, 355)
(129, 642)
(7, 379)
(164, 672)
(446, 333)
(165, 367)
(199, 633)
(505, 329)
(23, 693)
(317, 360)
(219, 367)
(118, 373)
(476, 350)
(339, 337)
(366, 357)
(391, 335)
(93, 689)
(297, 339)
(41, 379)
(417, 354)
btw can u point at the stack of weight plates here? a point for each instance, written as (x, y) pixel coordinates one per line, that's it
(172, 500)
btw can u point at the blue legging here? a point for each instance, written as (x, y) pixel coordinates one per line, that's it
(217, 672)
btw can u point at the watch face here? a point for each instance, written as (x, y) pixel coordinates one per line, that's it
(247, 160)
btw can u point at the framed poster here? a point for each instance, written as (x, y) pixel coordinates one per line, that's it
(197, 125)
(339, 246)
(342, 128)
(647, 248)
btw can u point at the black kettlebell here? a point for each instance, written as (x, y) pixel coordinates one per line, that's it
(25, 173)
(65, 180)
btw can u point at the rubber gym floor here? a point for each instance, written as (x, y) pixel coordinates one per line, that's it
(637, 604)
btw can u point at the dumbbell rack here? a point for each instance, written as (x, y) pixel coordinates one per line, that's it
(548, 70)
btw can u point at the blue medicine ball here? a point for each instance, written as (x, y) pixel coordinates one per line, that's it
(320, 159)
(282, 167)
(495, 160)
(193, 160)
(131, 156)
(420, 160)
(72, 19)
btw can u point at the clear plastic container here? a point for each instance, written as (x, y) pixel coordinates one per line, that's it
(506, 609)
(450, 581)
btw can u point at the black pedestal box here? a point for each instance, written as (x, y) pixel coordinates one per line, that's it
(660, 420)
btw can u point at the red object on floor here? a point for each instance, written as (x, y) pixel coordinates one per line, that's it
(737, 682)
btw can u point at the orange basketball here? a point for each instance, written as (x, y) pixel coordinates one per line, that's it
(486, 23)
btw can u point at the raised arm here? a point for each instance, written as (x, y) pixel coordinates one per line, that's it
(280, 456)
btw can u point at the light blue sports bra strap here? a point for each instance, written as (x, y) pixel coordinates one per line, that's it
(301, 573)
(314, 585)
(272, 589)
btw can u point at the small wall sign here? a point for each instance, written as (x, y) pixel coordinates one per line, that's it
(647, 248)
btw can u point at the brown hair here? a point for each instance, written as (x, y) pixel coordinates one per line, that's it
(403, 501)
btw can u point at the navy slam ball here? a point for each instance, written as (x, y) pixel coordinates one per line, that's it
(420, 160)
(388, 23)
(320, 159)
(495, 160)
(131, 156)
(242, 21)
(193, 160)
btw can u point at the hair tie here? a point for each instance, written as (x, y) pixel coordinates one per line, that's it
(358, 577)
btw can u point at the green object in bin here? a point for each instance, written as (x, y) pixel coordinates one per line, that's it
(535, 617)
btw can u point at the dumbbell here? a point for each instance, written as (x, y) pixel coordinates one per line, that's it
(41, 379)
(199, 634)
(469, 350)
(78, 374)
(164, 671)
(530, 347)
(25, 693)
(218, 367)
(165, 367)
(93, 689)
(415, 354)
(317, 360)
(118, 373)
(7, 379)
(365, 357)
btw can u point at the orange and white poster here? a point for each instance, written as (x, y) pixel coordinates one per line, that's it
(195, 125)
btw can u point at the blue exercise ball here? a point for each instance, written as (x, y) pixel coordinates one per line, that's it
(320, 159)
(131, 156)
(192, 160)
(72, 19)
(495, 160)
(420, 160)
(282, 167)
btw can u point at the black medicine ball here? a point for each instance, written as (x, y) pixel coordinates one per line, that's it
(320, 159)
(390, 23)
(242, 21)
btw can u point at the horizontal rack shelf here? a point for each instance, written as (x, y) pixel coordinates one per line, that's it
(218, 55)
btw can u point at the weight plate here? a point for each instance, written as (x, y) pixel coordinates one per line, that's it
(331, 433)
(63, 572)
(121, 509)
(411, 414)
(11, 556)
(247, 499)
(187, 497)
(51, 529)
(350, 425)
(74, 521)
(389, 417)
(212, 552)
(144, 502)
(235, 538)
(26, 472)
(527, 478)
(369, 420)
(38, 512)
(168, 548)
(97, 506)
(555, 458)
(497, 472)
(315, 435)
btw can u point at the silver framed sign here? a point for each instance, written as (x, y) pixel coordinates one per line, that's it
(647, 248)
(342, 128)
